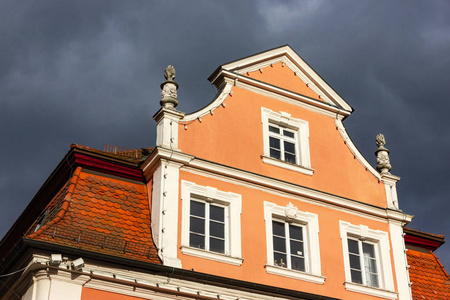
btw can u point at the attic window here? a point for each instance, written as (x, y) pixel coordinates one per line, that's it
(42, 219)
(286, 141)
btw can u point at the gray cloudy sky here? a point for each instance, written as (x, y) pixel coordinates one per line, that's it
(88, 72)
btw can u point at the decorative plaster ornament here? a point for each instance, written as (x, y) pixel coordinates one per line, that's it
(290, 211)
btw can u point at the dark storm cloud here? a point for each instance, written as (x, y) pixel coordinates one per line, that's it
(88, 72)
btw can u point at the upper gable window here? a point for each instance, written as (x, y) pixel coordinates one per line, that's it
(286, 141)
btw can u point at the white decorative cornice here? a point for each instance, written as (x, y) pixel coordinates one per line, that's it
(340, 127)
(291, 59)
(221, 97)
(284, 95)
(190, 162)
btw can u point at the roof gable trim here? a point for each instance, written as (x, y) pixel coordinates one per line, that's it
(287, 55)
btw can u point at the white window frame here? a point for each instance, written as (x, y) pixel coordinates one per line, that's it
(233, 204)
(310, 223)
(207, 219)
(380, 240)
(301, 129)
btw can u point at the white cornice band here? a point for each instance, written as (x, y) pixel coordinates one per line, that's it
(163, 154)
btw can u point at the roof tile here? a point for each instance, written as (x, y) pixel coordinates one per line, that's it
(429, 278)
(107, 209)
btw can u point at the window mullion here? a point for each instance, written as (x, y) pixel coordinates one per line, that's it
(288, 246)
(362, 263)
(207, 226)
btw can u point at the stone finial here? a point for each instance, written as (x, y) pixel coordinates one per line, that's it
(383, 163)
(169, 89)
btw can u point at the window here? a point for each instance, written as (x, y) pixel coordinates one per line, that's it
(288, 251)
(367, 261)
(282, 143)
(363, 262)
(208, 223)
(292, 243)
(211, 223)
(286, 141)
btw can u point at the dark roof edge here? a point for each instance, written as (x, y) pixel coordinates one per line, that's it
(423, 239)
(176, 272)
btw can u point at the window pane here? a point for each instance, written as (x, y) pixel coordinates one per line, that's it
(297, 248)
(289, 147)
(368, 250)
(356, 276)
(217, 213)
(279, 244)
(288, 133)
(275, 153)
(197, 209)
(278, 228)
(298, 263)
(274, 142)
(217, 245)
(296, 232)
(274, 129)
(197, 225)
(353, 246)
(354, 262)
(217, 229)
(279, 259)
(289, 158)
(372, 280)
(197, 241)
(370, 264)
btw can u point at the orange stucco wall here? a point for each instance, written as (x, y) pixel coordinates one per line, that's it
(233, 136)
(280, 75)
(93, 294)
(253, 239)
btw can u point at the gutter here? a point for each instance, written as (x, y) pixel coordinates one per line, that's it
(172, 272)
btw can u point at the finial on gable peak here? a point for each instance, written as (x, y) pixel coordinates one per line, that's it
(169, 89)
(382, 153)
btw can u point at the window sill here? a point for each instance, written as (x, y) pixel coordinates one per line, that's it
(372, 291)
(285, 165)
(237, 261)
(295, 274)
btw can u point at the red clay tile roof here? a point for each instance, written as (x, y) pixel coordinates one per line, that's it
(100, 214)
(429, 279)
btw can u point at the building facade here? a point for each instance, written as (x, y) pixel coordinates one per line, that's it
(261, 194)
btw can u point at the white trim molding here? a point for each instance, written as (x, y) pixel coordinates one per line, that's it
(211, 169)
(286, 55)
(343, 132)
(310, 222)
(233, 203)
(380, 239)
(301, 128)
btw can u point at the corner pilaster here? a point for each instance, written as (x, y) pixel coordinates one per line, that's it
(167, 127)
(391, 189)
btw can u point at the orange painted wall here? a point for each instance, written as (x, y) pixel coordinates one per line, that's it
(282, 76)
(253, 239)
(233, 136)
(93, 294)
